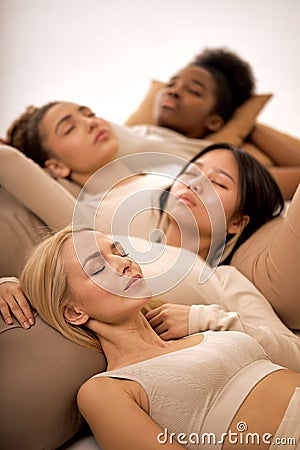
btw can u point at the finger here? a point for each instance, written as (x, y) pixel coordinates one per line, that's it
(25, 307)
(4, 310)
(153, 313)
(162, 328)
(155, 322)
(15, 311)
(167, 335)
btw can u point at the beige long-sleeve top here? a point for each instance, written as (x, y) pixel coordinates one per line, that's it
(32, 204)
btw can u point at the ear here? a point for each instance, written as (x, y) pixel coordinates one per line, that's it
(237, 224)
(214, 122)
(74, 315)
(57, 168)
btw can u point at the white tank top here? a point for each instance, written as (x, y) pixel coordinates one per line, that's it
(198, 390)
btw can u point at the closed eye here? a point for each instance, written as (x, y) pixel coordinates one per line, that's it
(68, 131)
(219, 184)
(197, 93)
(96, 272)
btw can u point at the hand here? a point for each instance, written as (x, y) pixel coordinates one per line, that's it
(14, 304)
(170, 321)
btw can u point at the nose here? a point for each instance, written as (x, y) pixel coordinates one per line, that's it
(90, 122)
(196, 184)
(121, 264)
(175, 89)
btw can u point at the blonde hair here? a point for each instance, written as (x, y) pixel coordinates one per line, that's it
(45, 284)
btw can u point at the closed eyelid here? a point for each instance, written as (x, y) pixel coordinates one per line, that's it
(64, 120)
(83, 110)
(217, 170)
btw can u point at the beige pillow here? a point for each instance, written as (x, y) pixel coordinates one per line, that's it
(40, 374)
(143, 114)
(234, 131)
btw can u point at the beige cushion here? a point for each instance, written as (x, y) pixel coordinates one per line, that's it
(40, 374)
(20, 231)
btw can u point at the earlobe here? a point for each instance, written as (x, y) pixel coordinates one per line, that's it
(237, 224)
(74, 315)
(57, 168)
(214, 123)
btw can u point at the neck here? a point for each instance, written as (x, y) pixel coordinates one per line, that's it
(129, 342)
(174, 238)
(103, 179)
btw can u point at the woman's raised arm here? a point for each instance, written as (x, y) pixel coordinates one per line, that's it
(36, 190)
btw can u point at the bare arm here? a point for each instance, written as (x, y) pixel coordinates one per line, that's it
(116, 416)
(283, 149)
(287, 178)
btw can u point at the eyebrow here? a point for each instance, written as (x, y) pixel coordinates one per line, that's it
(97, 253)
(67, 117)
(193, 80)
(218, 170)
(94, 255)
(199, 83)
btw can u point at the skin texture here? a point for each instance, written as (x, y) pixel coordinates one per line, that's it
(221, 170)
(187, 103)
(107, 277)
(80, 142)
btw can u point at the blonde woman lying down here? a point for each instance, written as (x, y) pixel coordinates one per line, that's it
(96, 302)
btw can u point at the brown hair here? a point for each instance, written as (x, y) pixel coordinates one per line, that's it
(24, 133)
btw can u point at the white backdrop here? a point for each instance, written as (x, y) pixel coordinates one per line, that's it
(103, 53)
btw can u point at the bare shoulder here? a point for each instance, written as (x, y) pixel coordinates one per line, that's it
(106, 390)
(100, 386)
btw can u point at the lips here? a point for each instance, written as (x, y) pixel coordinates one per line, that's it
(187, 199)
(133, 281)
(169, 103)
(101, 135)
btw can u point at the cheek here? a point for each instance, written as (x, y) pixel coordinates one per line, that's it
(110, 285)
(177, 187)
(64, 149)
(229, 203)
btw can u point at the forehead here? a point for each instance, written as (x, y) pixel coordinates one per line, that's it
(60, 108)
(220, 157)
(84, 243)
(195, 73)
(54, 114)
